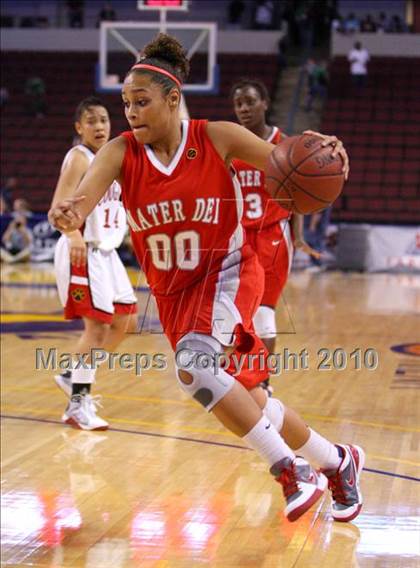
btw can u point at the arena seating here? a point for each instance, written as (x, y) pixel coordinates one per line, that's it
(380, 126)
(32, 149)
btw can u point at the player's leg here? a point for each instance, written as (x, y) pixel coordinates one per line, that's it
(81, 411)
(275, 253)
(220, 311)
(342, 464)
(125, 303)
(235, 408)
(86, 293)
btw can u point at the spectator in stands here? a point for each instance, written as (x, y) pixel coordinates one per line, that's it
(305, 16)
(337, 23)
(317, 82)
(35, 97)
(21, 208)
(351, 24)
(397, 26)
(235, 11)
(264, 15)
(281, 54)
(368, 25)
(16, 241)
(358, 58)
(383, 23)
(76, 13)
(7, 191)
(315, 235)
(4, 96)
(107, 14)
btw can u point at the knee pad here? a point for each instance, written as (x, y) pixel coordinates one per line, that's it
(274, 410)
(197, 354)
(265, 322)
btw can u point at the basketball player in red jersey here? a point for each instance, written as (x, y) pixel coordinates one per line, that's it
(184, 209)
(91, 279)
(266, 223)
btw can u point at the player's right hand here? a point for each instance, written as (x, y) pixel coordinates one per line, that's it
(78, 248)
(65, 216)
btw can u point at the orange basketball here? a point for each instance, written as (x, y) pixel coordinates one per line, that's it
(302, 174)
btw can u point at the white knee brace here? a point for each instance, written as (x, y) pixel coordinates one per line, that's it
(274, 410)
(265, 322)
(196, 354)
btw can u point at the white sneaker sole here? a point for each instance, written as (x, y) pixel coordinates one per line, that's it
(351, 513)
(305, 502)
(62, 385)
(74, 424)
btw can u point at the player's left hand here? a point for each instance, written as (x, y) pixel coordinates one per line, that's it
(301, 244)
(338, 149)
(65, 216)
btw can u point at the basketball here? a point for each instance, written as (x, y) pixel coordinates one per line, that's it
(303, 175)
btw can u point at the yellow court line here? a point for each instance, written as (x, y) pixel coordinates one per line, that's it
(161, 425)
(383, 458)
(23, 318)
(151, 399)
(156, 400)
(360, 422)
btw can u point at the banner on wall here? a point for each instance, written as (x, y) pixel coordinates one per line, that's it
(44, 236)
(378, 248)
(396, 249)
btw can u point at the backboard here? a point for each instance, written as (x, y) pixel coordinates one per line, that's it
(121, 42)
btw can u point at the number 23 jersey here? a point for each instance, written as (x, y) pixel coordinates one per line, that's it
(260, 209)
(184, 217)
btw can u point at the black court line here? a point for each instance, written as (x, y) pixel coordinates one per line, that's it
(186, 439)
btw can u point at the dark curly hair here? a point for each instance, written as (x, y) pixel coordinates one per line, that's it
(258, 86)
(166, 52)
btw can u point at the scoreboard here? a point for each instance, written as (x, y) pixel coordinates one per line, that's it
(162, 5)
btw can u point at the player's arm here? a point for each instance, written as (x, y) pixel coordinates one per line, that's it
(71, 175)
(70, 214)
(234, 141)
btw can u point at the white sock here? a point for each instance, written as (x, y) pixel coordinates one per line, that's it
(84, 376)
(319, 451)
(264, 439)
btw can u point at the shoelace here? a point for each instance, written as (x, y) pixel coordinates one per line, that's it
(288, 480)
(93, 402)
(337, 489)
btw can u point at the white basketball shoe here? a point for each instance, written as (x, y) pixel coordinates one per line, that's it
(81, 413)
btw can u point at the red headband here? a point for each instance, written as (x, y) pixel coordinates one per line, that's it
(158, 70)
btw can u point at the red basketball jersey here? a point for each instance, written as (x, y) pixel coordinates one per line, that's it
(184, 217)
(260, 210)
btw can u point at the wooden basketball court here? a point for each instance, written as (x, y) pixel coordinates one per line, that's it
(166, 486)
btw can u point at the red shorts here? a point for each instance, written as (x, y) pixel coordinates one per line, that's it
(80, 301)
(97, 290)
(274, 249)
(222, 306)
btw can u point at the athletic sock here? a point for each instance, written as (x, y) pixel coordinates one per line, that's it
(82, 379)
(319, 451)
(80, 388)
(264, 439)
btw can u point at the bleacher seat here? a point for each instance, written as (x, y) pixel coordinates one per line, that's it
(32, 149)
(380, 126)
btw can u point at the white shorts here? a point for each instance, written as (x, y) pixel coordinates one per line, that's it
(98, 290)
